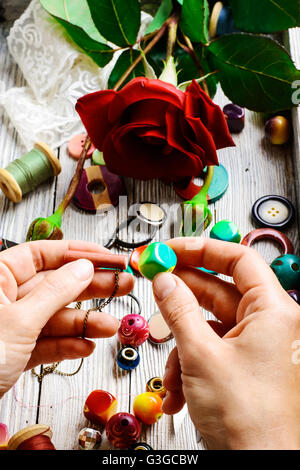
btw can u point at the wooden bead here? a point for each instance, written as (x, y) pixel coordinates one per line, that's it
(157, 258)
(226, 231)
(123, 430)
(94, 178)
(287, 270)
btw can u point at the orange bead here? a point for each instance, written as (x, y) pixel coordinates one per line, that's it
(100, 406)
(147, 407)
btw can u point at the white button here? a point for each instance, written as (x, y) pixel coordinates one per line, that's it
(273, 211)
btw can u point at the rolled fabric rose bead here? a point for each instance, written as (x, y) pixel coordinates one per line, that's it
(123, 430)
(99, 260)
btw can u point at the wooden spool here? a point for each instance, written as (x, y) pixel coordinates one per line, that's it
(27, 433)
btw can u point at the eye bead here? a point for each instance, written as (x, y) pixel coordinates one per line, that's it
(156, 385)
(89, 439)
(287, 270)
(99, 407)
(128, 358)
(147, 407)
(133, 331)
(157, 258)
(123, 430)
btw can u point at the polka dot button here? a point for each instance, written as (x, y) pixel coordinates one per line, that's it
(273, 212)
(76, 144)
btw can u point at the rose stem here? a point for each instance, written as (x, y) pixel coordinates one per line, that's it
(190, 50)
(172, 27)
(76, 178)
(148, 48)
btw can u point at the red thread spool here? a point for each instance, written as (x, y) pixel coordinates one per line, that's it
(36, 437)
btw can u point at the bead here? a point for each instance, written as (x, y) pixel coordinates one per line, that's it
(235, 116)
(133, 330)
(159, 332)
(98, 190)
(272, 234)
(273, 212)
(226, 231)
(128, 358)
(100, 406)
(156, 385)
(135, 256)
(151, 213)
(217, 188)
(123, 430)
(277, 130)
(141, 446)
(89, 439)
(129, 270)
(75, 146)
(221, 21)
(287, 270)
(147, 407)
(4, 436)
(295, 294)
(97, 158)
(157, 258)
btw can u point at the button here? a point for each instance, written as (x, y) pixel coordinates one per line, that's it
(235, 116)
(273, 212)
(135, 256)
(159, 330)
(271, 233)
(151, 213)
(287, 270)
(76, 144)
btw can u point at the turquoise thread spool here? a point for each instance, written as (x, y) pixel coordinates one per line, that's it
(25, 174)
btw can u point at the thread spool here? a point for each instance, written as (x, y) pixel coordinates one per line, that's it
(36, 437)
(25, 174)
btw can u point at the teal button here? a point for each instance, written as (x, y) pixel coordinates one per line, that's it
(287, 270)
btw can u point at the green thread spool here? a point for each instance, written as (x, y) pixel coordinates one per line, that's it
(25, 174)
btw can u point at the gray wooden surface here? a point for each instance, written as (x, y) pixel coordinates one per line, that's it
(255, 167)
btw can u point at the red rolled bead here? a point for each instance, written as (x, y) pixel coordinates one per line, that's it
(123, 430)
(133, 331)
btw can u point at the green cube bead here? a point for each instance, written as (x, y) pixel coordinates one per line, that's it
(226, 231)
(287, 270)
(157, 258)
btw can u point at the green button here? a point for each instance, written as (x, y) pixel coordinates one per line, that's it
(226, 231)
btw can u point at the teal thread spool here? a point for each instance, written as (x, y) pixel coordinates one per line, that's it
(25, 174)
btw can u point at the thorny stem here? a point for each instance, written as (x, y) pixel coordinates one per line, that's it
(76, 178)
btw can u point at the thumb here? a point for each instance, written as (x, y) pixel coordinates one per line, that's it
(57, 290)
(182, 313)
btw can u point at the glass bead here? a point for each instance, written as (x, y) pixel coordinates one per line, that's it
(89, 439)
(128, 358)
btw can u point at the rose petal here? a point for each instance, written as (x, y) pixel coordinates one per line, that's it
(199, 105)
(143, 112)
(142, 88)
(93, 110)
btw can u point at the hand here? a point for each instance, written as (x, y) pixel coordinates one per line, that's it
(239, 376)
(35, 326)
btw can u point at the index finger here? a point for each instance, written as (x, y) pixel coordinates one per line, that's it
(27, 259)
(244, 264)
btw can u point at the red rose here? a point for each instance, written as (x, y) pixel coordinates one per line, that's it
(150, 129)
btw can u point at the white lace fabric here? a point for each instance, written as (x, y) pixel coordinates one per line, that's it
(57, 73)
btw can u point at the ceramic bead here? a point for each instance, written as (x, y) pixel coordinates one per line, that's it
(123, 430)
(128, 358)
(156, 385)
(156, 258)
(295, 294)
(277, 130)
(226, 231)
(100, 406)
(235, 116)
(147, 407)
(133, 331)
(89, 439)
(287, 269)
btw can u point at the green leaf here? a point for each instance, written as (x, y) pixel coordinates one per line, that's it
(255, 71)
(162, 14)
(265, 16)
(71, 19)
(75, 12)
(123, 63)
(194, 20)
(117, 20)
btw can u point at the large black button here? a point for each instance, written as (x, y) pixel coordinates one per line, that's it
(273, 212)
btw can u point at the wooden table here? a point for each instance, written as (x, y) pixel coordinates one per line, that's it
(256, 168)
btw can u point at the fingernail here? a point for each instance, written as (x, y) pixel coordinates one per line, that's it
(82, 269)
(163, 285)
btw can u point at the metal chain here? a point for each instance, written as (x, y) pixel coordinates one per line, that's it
(53, 368)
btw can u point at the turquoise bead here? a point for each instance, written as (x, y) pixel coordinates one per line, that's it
(226, 231)
(157, 258)
(287, 269)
